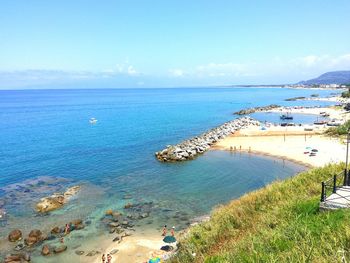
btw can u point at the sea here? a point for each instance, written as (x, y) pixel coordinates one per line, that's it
(47, 144)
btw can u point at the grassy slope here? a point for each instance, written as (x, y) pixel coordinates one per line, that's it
(279, 223)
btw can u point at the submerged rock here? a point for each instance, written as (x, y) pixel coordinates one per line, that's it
(56, 201)
(79, 252)
(15, 235)
(20, 246)
(93, 253)
(56, 230)
(35, 236)
(45, 251)
(60, 249)
(114, 251)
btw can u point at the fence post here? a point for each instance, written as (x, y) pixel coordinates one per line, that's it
(345, 178)
(335, 183)
(323, 194)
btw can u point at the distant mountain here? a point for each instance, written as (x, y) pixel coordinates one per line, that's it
(334, 77)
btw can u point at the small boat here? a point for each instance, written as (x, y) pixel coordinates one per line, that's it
(320, 122)
(284, 124)
(334, 123)
(290, 124)
(93, 121)
(314, 150)
(286, 117)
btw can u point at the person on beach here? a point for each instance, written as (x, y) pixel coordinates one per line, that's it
(173, 231)
(67, 229)
(164, 231)
(103, 258)
(109, 258)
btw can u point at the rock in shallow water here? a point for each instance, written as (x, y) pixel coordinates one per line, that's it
(114, 251)
(45, 251)
(60, 249)
(93, 253)
(56, 201)
(15, 235)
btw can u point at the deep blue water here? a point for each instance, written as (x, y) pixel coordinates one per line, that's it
(47, 133)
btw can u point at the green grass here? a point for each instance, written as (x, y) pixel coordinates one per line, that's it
(345, 94)
(279, 223)
(340, 130)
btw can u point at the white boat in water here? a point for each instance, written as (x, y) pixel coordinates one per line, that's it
(93, 121)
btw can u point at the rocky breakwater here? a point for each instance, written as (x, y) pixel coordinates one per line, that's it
(257, 109)
(190, 148)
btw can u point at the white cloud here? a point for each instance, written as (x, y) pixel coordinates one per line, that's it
(176, 72)
(324, 62)
(276, 68)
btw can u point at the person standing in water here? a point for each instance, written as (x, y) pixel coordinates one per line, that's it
(103, 258)
(173, 231)
(164, 231)
(67, 229)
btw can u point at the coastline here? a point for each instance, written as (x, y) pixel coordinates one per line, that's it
(142, 245)
(290, 143)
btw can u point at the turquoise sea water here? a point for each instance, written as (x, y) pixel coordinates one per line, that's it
(46, 134)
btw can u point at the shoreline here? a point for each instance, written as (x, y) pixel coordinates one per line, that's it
(262, 153)
(286, 144)
(139, 246)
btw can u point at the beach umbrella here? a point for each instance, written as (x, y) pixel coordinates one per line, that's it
(169, 239)
(154, 260)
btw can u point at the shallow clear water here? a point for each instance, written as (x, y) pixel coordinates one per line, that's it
(47, 133)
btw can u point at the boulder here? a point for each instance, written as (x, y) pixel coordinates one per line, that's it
(15, 235)
(93, 253)
(117, 238)
(13, 258)
(45, 251)
(26, 256)
(128, 205)
(113, 224)
(30, 241)
(60, 249)
(20, 246)
(114, 251)
(109, 212)
(77, 222)
(55, 230)
(35, 233)
(56, 201)
(48, 204)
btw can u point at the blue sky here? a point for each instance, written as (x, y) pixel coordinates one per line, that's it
(171, 43)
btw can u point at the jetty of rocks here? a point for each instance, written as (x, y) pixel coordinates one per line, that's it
(190, 148)
(256, 109)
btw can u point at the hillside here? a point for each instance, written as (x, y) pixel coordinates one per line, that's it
(334, 77)
(279, 223)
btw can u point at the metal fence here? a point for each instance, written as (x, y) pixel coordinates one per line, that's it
(330, 186)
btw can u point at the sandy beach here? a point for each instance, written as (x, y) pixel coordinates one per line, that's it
(138, 248)
(338, 99)
(334, 113)
(287, 143)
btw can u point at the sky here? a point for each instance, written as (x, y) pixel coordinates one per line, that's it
(139, 43)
